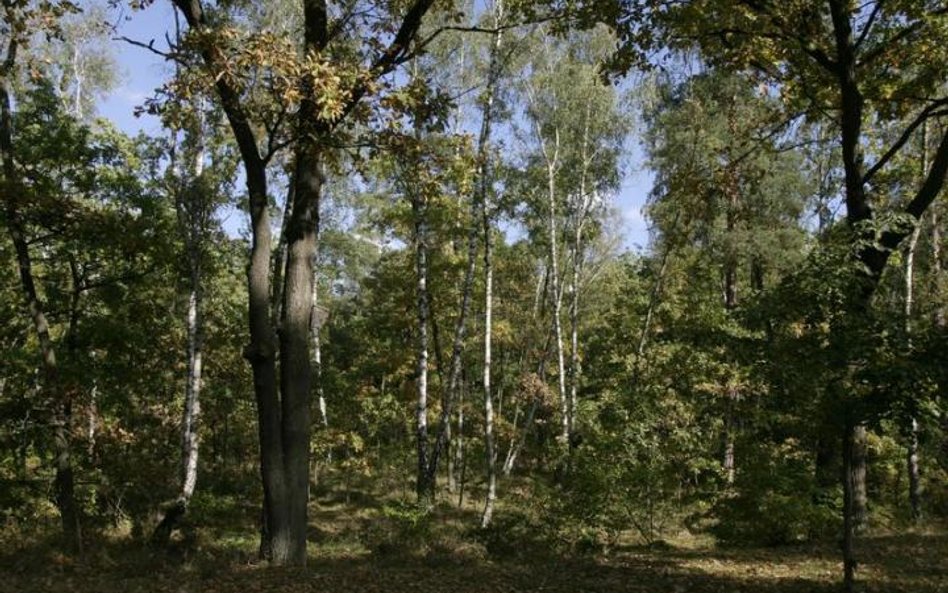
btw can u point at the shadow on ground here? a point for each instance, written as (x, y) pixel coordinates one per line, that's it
(893, 564)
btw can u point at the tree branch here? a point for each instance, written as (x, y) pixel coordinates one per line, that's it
(926, 113)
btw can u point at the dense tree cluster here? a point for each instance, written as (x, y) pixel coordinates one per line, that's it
(381, 241)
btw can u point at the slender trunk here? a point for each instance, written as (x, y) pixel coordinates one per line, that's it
(279, 261)
(557, 301)
(59, 399)
(193, 210)
(939, 316)
(849, 527)
(316, 322)
(460, 459)
(574, 365)
(858, 470)
(449, 446)
(424, 485)
(915, 484)
(728, 462)
(732, 391)
(192, 409)
(91, 418)
(488, 400)
(192, 402)
(655, 293)
(581, 207)
(911, 460)
(480, 196)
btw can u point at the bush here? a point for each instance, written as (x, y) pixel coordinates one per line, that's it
(776, 502)
(514, 535)
(403, 528)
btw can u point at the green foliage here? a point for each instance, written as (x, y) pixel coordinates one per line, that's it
(403, 528)
(776, 501)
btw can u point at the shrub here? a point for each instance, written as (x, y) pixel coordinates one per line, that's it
(403, 528)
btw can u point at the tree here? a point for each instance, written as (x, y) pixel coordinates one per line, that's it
(20, 19)
(321, 112)
(832, 57)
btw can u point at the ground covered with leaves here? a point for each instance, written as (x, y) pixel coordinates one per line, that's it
(354, 547)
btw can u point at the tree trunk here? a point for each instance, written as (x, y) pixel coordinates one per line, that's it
(939, 315)
(460, 460)
(728, 462)
(425, 485)
(488, 400)
(193, 209)
(557, 299)
(191, 415)
(279, 262)
(915, 492)
(732, 391)
(284, 419)
(480, 196)
(858, 470)
(316, 322)
(849, 528)
(58, 398)
(915, 483)
(296, 364)
(574, 364)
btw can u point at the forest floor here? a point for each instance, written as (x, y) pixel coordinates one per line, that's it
(219, 557)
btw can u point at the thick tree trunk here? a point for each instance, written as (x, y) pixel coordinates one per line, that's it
(58, 398)
(296, 364)
(284, 421)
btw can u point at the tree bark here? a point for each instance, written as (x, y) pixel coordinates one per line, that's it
(911, 459)
(860, 507)
(460, 460)
(557, 296)
(488, 400)
(425, 485)
(849, 481)
(939, 315)
(315, 329)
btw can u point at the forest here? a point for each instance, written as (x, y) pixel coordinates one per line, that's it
(474, 296)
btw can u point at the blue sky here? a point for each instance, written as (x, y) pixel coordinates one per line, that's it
(142, 71)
